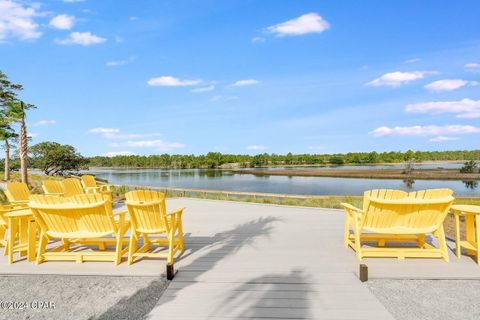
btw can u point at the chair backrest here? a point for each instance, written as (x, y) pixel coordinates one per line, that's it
(404, 214)
(88, 181)
(88, 198)
(382, 194)
(431, 193)
(61, 217)
(147, 210)
(72, 187)
(52, 186)
(17, 191)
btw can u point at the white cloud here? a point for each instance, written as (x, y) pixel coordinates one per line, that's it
(156, 144)
(115, 134)
(132, 18)
(246, 82)
(307, 23)
(313, 148)
(73, 1)
(412, 60)
(62, 22)
(397, 78)
(449, 85)
(223, 98)
(117, 63)
(119, 153)
(257, 148)
(17, 21)
(472, 66)
(203, 89)
(431, 130)
(104, 130)
(44, 123)
(82, 38)
(169, 81)
(443, 138)
(465, 108)
(258, 40)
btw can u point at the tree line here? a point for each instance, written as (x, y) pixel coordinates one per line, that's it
(218, 160)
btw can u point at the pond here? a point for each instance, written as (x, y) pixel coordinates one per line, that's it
(228, 180)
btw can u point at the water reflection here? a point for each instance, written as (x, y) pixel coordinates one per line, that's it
(472, 185)
(409, 183)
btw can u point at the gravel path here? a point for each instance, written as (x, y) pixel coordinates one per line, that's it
(81, 297)
(429, 299)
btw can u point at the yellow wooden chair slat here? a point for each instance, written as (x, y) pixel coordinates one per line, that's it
(72, 187)
(148, 216)
(397, 216)
(17, 193)
(54, 187)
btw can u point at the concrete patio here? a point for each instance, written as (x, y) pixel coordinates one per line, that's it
(247, 260)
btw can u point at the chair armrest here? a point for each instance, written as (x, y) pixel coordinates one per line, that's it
(91, 189)
(178, 212)
(12, 207)
(349, 207)
(105, 187)
(20, 202)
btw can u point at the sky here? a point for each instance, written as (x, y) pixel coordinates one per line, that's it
(246, 77)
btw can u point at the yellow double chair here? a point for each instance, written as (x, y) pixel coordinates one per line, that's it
(394, 216)
(87, 219)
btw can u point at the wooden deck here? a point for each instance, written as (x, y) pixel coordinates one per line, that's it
(253, 261)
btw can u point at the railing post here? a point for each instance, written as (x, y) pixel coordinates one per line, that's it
(363, 273)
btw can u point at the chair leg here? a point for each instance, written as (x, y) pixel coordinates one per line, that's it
(145, 239)
(477, 236)
(41, 248)
(66, 244)
(12, 234)
(421, 240)
(32, 238)
(458, 250)
(132, 247)
(171, 246)
(118, 248)
(180, 236)
(440, 233)
(358, 244)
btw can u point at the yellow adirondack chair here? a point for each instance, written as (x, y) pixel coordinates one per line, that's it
(91, 186)
(17, 193)
(148, 216)
(81, 219)
(396, 216)
(53, 187)
(72, 187)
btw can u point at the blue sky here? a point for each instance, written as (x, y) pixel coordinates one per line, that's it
(149, 77)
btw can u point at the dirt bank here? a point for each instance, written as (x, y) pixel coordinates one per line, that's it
(418, 174)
